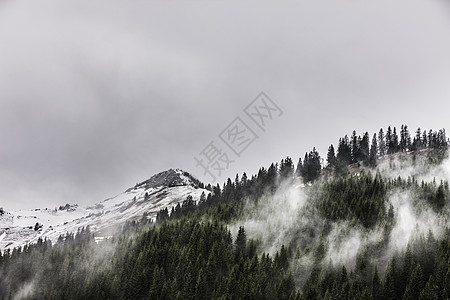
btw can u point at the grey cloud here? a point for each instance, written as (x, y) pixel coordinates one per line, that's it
(95, 96)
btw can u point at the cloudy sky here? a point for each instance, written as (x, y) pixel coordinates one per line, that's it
(98, 95)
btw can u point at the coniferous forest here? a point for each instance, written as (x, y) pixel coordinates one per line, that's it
(346, 240)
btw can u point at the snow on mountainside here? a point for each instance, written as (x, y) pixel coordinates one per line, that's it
(165, 189)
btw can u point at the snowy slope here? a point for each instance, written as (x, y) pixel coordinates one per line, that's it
(165, 189)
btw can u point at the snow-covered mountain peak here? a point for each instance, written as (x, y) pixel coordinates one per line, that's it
(163, 190)
(169, 178)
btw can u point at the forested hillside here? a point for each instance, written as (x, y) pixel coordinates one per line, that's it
(368, 224)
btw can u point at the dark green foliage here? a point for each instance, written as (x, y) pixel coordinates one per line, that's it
(381, 143)
(331, 157)
(188, 253)
(357, 198)
(311, 166)
(373, 152)
(417, 274)
(405, 139)
(359, 149)
(395, 144)
(286, 169)
(364, 148)
(344, 155)
(298, 170)
(240, 244)
(185, 259)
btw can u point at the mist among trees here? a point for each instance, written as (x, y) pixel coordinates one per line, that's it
(340, 229)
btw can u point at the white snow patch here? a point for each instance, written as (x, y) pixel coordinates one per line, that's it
(18, 226)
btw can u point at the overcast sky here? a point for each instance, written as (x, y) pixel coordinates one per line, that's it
(98, 95)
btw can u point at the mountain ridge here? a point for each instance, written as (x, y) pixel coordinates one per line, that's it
(165, 189)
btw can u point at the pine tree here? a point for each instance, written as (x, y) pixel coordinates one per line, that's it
(389, 141)
(298, 171)
(331, 156)
(311, 166)
(417, 141)
(407, 138)
(377, 288)
(402, 145)
(244, 180)
(425, 142)
(202, 288)
(442, 139)
(438, 200)
(344, 155)
(286, 287)
(272, 177)
(431, 139)
(240, 244)
(395, 143)
(364, 148)
(286, 169)
(381, 143)
(430, 291)
(202, 200)
(373, 152)
(416, 283)
(281, 258)
(356, 155)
